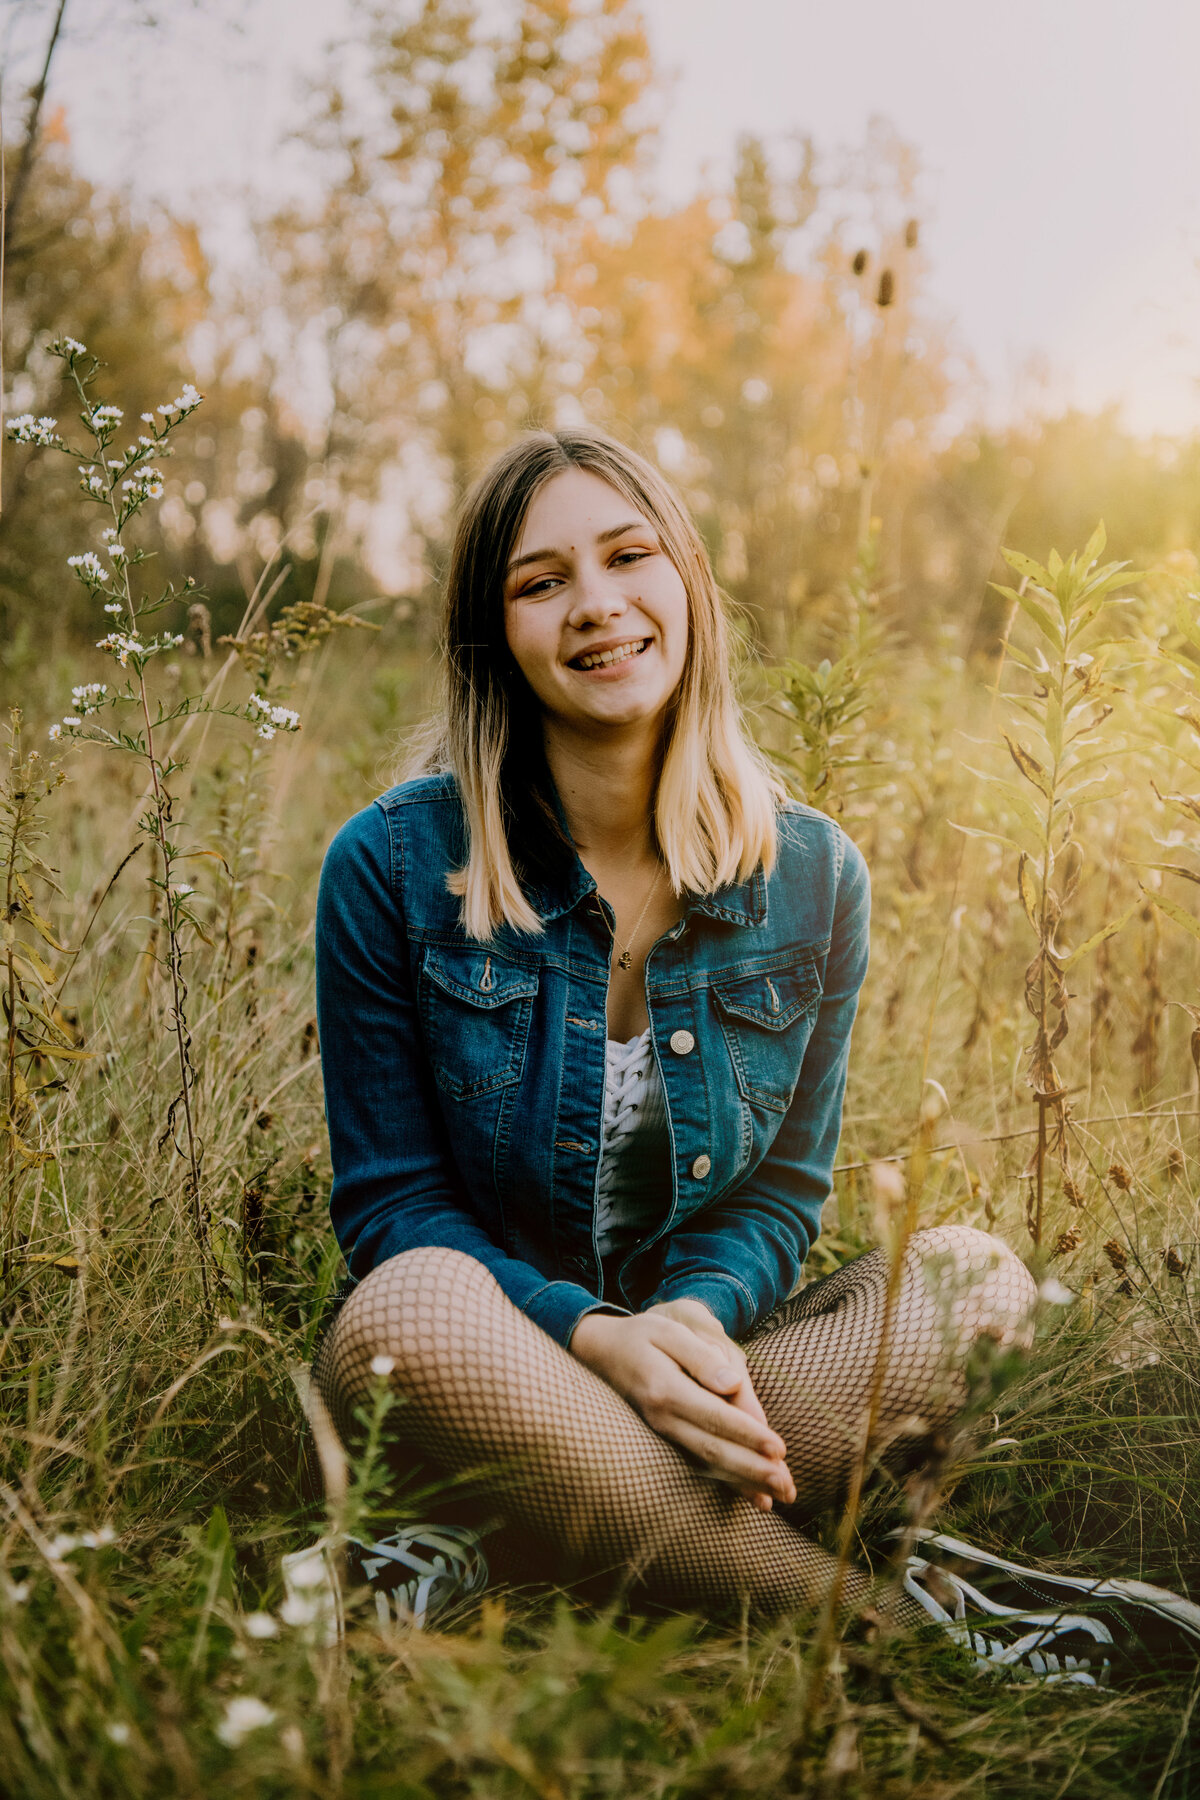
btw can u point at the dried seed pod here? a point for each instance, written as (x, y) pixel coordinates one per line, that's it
(1072, 1193)
(1115, 1253)
(1174, 1163)
(912, 234)
(859, 262)
(887, 289)
(1120, 1177)
(1174, 1262)
(1067, 1241)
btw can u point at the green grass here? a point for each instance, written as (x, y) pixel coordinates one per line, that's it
(122, 1407)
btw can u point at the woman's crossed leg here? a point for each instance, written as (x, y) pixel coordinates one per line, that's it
(586, 1487)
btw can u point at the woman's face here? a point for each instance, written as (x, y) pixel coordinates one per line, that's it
(595, 611)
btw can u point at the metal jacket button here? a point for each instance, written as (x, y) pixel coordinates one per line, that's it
(682, 1043)
(701, 1166)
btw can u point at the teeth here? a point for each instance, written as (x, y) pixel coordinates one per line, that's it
(606, 657)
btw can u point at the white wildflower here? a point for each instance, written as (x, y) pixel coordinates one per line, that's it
(244, 1714)
(97, 1540)
(274, 718)
(309, 1572)
(90, 697)
(189, 398)
(54, 733)
(62, 1544)
(17, 1592)
(1054, 1293)
(117, 553)
(260, 1625)
(117, 1732)
(122, 646)
(25, 429)
(181, 889)
(297, 1611)
(69, 346)
(146, 484)
(70, 720)
(94, 484)
(115, 606)
(382, 1365)
(105, 418)
(88, 566)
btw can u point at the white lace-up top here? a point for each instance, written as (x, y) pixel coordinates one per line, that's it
(633, 1184)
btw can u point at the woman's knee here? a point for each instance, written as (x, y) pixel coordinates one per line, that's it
(404, 1312)
(981, 1283)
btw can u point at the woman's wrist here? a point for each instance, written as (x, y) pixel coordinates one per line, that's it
(591, 1332)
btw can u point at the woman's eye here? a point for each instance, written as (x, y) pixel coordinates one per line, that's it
(630, 555)
(540, 586)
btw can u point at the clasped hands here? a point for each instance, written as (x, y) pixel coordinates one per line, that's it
(676, 1364)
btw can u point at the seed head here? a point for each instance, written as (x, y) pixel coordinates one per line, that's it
(859, 262)
(1115, 1253)
(887, 289)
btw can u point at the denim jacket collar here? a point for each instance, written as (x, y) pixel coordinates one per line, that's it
(740, 903)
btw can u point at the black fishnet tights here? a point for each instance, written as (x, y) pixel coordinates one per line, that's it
(586, 1486)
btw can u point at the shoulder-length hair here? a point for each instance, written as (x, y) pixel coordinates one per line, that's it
(714, 813)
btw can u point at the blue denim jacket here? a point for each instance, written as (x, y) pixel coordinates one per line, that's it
(464, 1082)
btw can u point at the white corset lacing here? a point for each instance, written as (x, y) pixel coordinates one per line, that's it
(634, 1177)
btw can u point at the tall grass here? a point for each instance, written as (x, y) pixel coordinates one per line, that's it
(153, 1452)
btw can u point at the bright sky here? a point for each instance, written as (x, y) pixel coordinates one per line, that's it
(1060, 140)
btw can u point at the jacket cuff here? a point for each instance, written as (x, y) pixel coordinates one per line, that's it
(728, 1299)
(559, 1306)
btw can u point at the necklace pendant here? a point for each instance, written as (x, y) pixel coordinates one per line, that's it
(624, 961)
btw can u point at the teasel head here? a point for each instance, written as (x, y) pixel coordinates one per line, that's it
(859, 262)
(887, 289)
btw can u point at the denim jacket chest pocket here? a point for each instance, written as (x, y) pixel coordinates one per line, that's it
(476, 1011)
(767, 1020)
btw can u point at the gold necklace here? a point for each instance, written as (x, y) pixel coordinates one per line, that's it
(625, 960)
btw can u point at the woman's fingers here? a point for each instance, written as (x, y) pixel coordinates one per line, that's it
(721, 1369)
(731, 1463)
(726, 1440)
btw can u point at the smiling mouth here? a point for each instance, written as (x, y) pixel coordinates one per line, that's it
(603, 659)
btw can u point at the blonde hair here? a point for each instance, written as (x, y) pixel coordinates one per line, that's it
(714, 812)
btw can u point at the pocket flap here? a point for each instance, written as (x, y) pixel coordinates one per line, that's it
(773, 999)
(479, 977)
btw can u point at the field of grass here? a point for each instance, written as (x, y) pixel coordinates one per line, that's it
(153, 1471)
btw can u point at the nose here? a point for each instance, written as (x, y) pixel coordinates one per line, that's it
(598, 598)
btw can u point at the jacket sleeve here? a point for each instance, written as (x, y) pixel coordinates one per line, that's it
(743, 1255)
(395, 1183)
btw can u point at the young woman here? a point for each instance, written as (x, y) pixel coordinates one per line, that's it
(586, 987)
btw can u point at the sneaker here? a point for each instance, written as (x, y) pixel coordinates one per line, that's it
(416, 1574)
(1142, 1621)
(1054, 1646)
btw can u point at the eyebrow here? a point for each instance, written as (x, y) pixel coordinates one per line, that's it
(604, 537)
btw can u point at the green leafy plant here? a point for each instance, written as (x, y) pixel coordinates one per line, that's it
(1063, 762)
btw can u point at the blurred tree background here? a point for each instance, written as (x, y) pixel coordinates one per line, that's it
(481, 249)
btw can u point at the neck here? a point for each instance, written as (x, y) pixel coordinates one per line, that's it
(607, 787)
